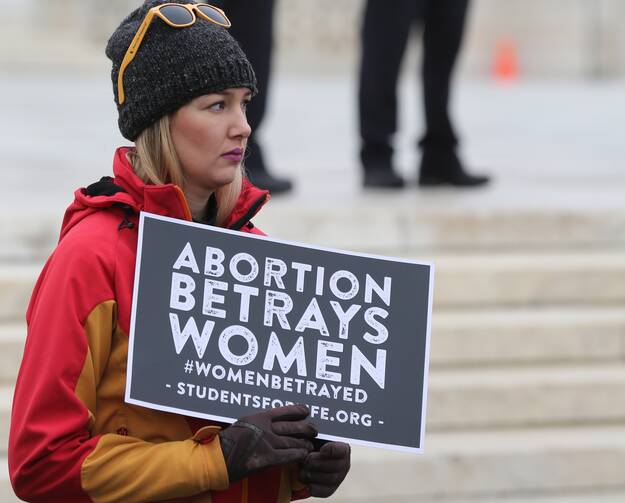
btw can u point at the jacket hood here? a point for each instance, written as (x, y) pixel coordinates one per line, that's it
(133, 195)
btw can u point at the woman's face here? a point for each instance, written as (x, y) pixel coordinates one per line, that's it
(210, 135)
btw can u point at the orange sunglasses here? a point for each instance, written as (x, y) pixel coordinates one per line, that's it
(175, 15)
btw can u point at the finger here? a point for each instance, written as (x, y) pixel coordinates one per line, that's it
(318, 443)
(325, 479)
(299, 429)
(315, 463)
(289, 413)
(280, 442)
(292, 456)
(321, 491)
(335, 450)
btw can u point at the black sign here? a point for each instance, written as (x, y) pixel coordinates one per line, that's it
(224, 323)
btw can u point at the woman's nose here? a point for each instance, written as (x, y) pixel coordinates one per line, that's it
(240, 126)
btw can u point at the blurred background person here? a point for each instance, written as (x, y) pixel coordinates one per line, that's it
(252, 27)
(385, 31)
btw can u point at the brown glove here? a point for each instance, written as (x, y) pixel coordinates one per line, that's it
(324, 471)
(270, 438)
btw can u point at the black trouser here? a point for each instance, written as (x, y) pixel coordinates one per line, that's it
(385, 31)
(252, 27)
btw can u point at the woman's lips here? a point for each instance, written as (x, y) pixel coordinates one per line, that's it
(235, 155)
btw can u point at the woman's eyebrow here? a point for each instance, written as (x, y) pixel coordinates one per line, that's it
(227, 92)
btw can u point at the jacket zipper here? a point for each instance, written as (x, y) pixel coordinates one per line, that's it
(250, 213)
(244, 490)
(235, 226)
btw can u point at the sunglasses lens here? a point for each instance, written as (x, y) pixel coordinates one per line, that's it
(177, 15)
(213, 14)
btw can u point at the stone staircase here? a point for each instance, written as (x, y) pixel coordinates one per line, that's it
(527, 385)
(527, 379)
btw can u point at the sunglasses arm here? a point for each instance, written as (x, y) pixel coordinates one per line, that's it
(131, 53)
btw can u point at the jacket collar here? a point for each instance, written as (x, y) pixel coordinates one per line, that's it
(169, 200)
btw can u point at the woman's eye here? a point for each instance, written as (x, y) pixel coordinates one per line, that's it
(245, 104)
(216, 107)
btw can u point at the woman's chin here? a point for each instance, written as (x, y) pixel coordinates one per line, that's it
(224, 180)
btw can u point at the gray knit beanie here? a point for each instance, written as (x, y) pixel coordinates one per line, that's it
(172, 67)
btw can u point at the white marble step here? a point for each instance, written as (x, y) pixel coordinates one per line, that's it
(346, 493)
(469, 338)
(529, 279)
(16, 286)
(360, 223)
(461, 281)
(12, 339)
(6, 491)
(489, 466)
(560, 465)
(525, 396)
(592, 496)
(6, 397)
(385, 223)
(524, 336)
(498, 398)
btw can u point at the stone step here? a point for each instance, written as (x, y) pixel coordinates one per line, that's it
(16, 286)
(529, 279)
(481, 490)
(478, 466)
(6, 397)
(498, 398)
(358, 225)
(584, 497)
(6, 491)
(460, 338)
(497, 337)
(475, 466)
(410, 224)
(29, 239)
(346, 493)
(598, 496)
(12, 338)
(461, 281)
(528, 396)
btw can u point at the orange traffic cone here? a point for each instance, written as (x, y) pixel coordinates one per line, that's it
(505, 66)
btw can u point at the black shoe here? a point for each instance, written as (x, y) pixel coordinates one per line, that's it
(382, 179)
(275, 185)
(442, 167)
(376, 160)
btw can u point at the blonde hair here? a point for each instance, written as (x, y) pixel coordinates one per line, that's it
(156, 162)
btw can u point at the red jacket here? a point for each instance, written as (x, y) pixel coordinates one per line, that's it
(73, 438)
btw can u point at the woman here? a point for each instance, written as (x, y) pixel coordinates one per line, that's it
(181, 84)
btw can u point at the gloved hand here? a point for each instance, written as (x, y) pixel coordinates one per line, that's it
(269, 438)
(323, 471)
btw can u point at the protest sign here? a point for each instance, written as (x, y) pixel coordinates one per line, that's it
(224, 323)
